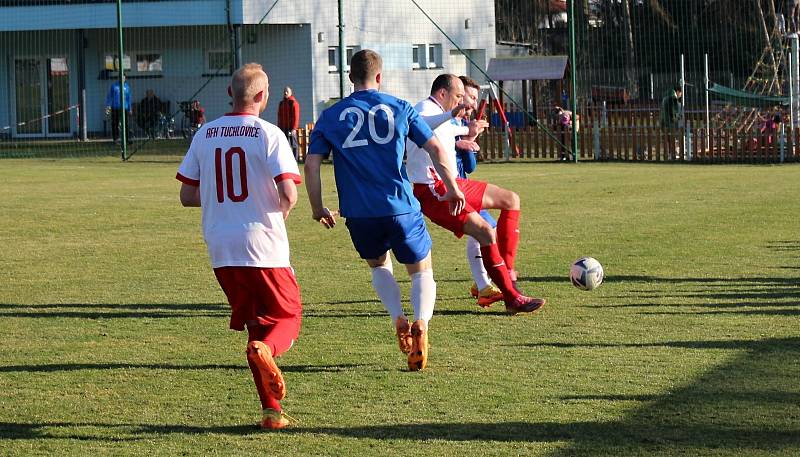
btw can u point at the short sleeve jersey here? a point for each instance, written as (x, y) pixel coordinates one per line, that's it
(367, 133)
(237, 160)
(420, 166)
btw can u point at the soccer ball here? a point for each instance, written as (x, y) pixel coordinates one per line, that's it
(586, 273)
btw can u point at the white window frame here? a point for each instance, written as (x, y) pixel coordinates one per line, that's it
(419, 62)
(349, 51)
(433, 56)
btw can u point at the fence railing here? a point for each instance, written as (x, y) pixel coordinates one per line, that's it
(626, 142)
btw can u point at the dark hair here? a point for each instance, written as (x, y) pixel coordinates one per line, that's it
(364, 65)
(469, 82)
(678, 88)
(777, 118)
(443, 81)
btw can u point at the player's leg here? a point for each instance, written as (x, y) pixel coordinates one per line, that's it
(278, 311)
(478, 228)
(385, 285)
(507, 224)
(411, 244)
(482, 289)
(268, 302)
(370, 238)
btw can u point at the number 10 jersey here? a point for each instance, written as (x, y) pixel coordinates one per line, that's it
(237, 161)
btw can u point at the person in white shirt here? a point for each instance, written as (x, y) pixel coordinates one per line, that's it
(498, 247)
(241, 171)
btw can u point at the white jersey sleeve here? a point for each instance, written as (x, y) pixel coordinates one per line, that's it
(419, 165)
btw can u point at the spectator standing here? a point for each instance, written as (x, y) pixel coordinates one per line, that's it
(289, 118)
(113, 105)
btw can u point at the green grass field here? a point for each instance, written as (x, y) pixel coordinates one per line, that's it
(114, 339)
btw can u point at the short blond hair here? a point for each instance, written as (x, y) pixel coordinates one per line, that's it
(248, 81)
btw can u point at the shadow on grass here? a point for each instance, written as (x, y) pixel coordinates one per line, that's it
(733, 408)
(113, 310)
(66, 367)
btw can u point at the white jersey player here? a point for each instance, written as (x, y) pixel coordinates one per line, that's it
(241, 171)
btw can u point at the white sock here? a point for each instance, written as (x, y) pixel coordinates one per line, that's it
(475, 260)
(386, 287)
(423, 295)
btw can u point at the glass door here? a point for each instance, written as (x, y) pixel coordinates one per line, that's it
(41, 93)
(28, 90)
(58, 96)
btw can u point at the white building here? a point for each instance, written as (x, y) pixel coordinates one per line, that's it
(56, 53)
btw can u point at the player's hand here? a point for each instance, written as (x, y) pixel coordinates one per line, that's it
(326, 217)
(456, 200)
(477, 127)
(467, 145)
(460, 110)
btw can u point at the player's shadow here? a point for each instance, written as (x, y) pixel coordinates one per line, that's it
(68, 367)
(736, 407)
(113, 310)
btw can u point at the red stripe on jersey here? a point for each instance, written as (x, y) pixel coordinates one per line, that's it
(189, 181)
(292, 176)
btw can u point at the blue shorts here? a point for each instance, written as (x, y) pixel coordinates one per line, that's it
(488, 218)
(405, 234)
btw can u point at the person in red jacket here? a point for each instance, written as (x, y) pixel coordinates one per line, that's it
(289, 118)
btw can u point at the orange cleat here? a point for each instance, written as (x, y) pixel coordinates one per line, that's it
(418, 357)
(404, 339)
(274, 420)
(488, 295)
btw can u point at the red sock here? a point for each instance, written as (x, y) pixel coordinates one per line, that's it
(508, 235)
(497, 270)
(267, 400)
(257, 333)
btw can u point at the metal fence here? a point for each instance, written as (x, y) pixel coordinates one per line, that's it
(62, 59)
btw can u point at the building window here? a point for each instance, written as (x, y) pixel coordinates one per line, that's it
(147, 63)
(218, 63)
(112, 62)
(333, 57)
(417, 56)
(435, 56)
(333, 63)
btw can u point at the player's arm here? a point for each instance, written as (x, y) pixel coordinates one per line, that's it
(438, 156)
(190, 195)
(287, 195)
(468, 158)
(314, 188)
(435, 120)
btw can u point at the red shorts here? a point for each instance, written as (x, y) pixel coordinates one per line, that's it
(264, 296)
(438, 211)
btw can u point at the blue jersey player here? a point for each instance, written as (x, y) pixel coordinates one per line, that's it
(367, 133)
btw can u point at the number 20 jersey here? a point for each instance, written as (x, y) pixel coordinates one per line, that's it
(367, 133)
(237, 160)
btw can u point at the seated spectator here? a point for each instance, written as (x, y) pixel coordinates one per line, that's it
(149, 112)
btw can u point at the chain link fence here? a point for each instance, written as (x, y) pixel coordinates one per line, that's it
(731, 61)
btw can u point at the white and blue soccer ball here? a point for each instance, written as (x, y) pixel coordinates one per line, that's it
(586, 273)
